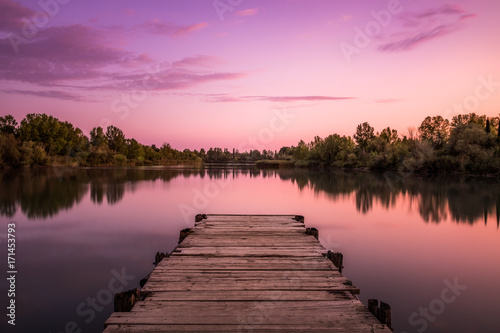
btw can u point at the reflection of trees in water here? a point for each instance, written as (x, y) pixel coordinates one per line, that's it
(464, 199)
(43, 193)
(364, 200)
(433, 207)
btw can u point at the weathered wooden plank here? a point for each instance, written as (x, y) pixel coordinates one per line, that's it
(230, 274)
(180, 260)
(331, 317)
(229, 308)
(254, 242)
(245, 285)
(188, 263)
(309, 251)
(299, 328)
(248, 295)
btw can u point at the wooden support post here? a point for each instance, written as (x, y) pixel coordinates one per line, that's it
(337, 258)
(184, 233)
(125, 301)
(299, 218)
(382, 313)
(159, 257)
(200, 217)
(385, 314)
(373, 306)
(312, 231)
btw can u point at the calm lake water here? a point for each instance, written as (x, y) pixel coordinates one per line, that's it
(428, 246)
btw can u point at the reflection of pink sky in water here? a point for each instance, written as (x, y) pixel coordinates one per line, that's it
(390, 253)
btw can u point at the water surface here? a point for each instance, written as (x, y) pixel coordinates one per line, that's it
(428, 246)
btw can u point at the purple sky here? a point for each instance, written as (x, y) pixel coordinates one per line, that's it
(249, 74)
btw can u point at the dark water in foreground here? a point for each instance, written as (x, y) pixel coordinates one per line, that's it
(428, 246)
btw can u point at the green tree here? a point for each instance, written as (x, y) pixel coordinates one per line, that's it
(364, 134)
(202, 154)
(301, 151)
(58, 138)
(337, 150)
(285, 152)
(8, 125)
(391, 136)
(167, 152)
(472, 148)
(116, 140)
(151, 155)
(135, 151)
(32, 153)
(436, 130)
(97, 137)
(10, 156)
(255, 155)
(466, 119)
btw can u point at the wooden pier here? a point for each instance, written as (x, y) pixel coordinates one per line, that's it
(248, 273)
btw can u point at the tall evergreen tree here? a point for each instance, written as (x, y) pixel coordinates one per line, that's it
(488, 129)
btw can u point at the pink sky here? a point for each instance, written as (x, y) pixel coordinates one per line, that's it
(242, 73)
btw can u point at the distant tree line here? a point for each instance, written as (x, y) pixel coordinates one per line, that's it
(470, 143)
(219, 155)
(42, 140)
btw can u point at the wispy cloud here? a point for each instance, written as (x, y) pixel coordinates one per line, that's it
(247, 12)
(424, 26)
(189, 29)
(47, 93)
(179, 80)
(443, 10)
(198, 61)
(410, 42)
(287, 99)
(166, 28)
(224, 98)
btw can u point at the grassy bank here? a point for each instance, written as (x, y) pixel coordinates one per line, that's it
(275, 164)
